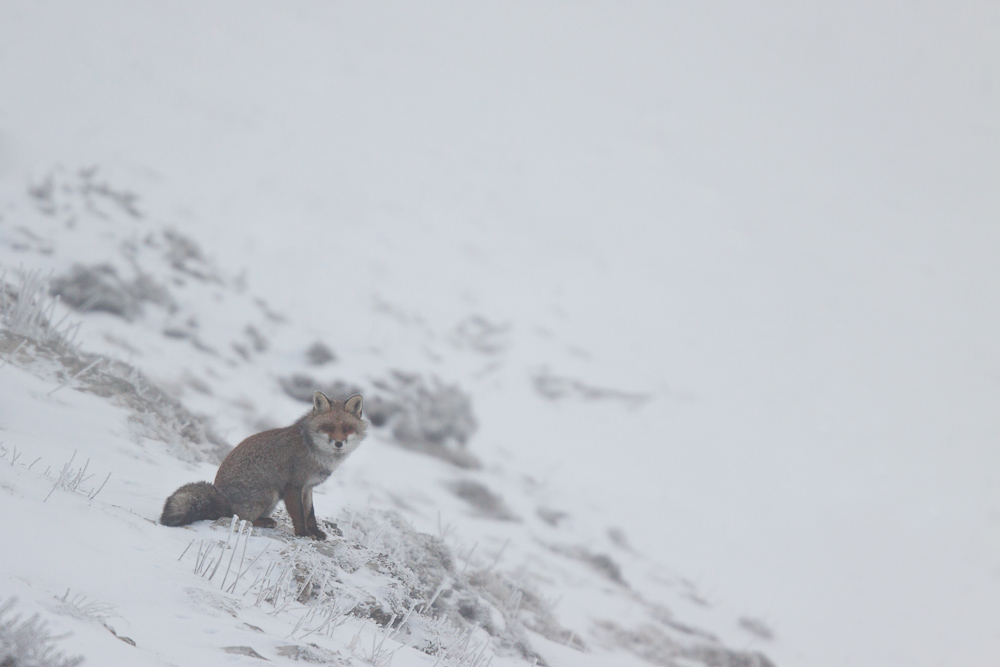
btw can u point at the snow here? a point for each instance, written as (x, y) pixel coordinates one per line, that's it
(772, 225)
(503, 563)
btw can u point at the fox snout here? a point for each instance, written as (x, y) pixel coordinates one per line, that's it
(338, 440)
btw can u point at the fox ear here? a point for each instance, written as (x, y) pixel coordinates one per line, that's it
(353, 405)
(320, 402)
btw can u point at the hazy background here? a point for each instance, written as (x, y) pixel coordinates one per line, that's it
(781, 222)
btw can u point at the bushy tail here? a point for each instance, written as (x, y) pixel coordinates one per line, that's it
(193, 502)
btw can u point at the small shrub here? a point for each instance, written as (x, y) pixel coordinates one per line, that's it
(319, 353)
(757, 627)
(28, 643)
(27, 309)
(485, 502)
(100, 288)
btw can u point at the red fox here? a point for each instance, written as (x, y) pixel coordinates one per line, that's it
(280, 464)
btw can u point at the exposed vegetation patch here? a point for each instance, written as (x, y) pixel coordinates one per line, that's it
(618, 538)
(556, 388)
(69, 194)
(551, 516)
(100, 288)
(319, 354)
(600, 563)
(656, 646)
(486, 503)
(311, 653)
(28, 642)
(757, 627)
(428, 416)
(478, 334)
(243, 650)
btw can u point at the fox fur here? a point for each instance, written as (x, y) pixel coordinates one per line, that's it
(280, 464)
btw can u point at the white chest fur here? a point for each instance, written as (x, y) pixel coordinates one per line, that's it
(327, 456)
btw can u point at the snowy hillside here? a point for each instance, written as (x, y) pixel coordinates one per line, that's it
(676, 325)
(443, 557)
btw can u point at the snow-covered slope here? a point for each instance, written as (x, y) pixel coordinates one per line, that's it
(446, 554)
(721, 279)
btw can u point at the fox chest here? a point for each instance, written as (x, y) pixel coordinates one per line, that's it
(317, 476)
(319, 469)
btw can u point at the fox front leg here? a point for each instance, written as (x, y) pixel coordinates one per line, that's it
(293, 498)
(310, 512)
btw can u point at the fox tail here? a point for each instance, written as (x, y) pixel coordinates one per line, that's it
(193, 502)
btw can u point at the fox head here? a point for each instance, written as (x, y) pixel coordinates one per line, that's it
(336, 427)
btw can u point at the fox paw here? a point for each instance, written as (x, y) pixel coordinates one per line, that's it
(333, 528)
(317, 534)
(265, 522)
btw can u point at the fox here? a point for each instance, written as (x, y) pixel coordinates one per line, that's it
(280, 464)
